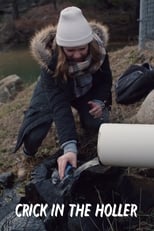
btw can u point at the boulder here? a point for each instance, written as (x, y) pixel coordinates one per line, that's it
(9, 87)
(145, 114)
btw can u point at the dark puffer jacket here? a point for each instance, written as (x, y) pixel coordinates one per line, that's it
(52, 97)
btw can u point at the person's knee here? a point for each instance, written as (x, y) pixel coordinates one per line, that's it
(33, 140)
(31, 145)
(90, 123)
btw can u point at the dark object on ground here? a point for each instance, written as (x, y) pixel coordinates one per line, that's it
(135, 83)
(7, 179)
(14, 223)
(91, 183)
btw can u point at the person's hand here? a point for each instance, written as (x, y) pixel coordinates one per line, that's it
(95, 109)
(69, 157)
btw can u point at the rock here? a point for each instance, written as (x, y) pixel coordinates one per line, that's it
(9, 87)
(6, 179)
(8, 201)
(147, 172)
(12, 222)
(145, 114)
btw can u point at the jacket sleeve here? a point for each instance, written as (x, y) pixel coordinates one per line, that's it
(102, 83)
(59, 104)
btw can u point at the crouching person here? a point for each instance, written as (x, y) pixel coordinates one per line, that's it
(75, 72)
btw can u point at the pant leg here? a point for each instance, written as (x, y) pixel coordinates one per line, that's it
(88, 122)
(33, 140)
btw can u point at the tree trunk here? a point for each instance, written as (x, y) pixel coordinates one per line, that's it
(15, 9)
(55, 4)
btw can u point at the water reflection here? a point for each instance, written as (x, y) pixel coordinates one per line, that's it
(19, 62)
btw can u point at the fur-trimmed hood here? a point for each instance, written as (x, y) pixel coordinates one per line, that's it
(43, 43)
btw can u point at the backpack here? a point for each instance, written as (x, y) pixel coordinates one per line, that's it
(135, 83)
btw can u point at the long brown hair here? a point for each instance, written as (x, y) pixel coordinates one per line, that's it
(62, 64)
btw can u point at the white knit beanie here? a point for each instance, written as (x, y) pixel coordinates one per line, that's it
(73, 29)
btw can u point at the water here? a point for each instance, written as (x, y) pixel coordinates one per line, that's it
(19, 62)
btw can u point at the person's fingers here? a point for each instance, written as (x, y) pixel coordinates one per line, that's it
(94, 106)
(96, 112)
(61, 166)
(91, 104)
(63, 160)
(74, 161)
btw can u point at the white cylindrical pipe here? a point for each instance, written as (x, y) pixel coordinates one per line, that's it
(126, 145)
